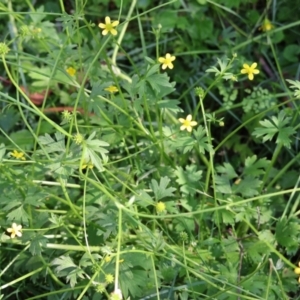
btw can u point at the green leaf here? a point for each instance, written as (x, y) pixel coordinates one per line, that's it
(185, 142)
(53, 145)
(223, 65)
(256, 283)
(189, 180)
(22, 138)
(161, 190)
(169, 105)
(94, 144)
(223, 185)
(151, 70)
(63, 263)
(38, 16)
(227, 171)
(66, 267)
(290, 53)
(150, 60)
(277, 125)
(266, 235)
(18, 215)
(37, 244)
(8, 119)
(227, 216)
(144, 199)
(255, 250)
(247, 187)
(92, 147)
(202, 140)
(135, 277)
(86, 261)
(167, 19)
(152, 87)
(245, 212)
(286, 232)
(106, 223)
(255, 167)
(295, 84)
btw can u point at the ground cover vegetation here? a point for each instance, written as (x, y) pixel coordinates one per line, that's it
(149, 149)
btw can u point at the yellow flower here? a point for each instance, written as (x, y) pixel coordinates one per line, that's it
(109, 278)
(71, 71)
(15, 230)
(266, 25)
(18, 155)
(187, 123)
(250, 70)
(297, 271)
(112, 89)
(88, 165)
(160, 207)
(167, 62)
(109, 27)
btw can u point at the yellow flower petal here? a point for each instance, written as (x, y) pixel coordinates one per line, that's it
(115, 23)
(109, 26)
(111, 89)
(15, 230)
(113, 31)
(187, 123)
(71, 71)
(189, 118)
(250, 70)
(167, 61)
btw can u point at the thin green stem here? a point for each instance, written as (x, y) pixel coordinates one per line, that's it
(120, 230)
(268, 170)
(122, 33)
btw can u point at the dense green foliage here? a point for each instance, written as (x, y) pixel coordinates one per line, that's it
(154, 156)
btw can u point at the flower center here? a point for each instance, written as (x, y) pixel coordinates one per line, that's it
(167, 61)
(109, 27)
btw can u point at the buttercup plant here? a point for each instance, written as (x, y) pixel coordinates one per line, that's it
(250, 70)
(112, 89)
(167, 61)
(266, 25)
(18, 155)
(187, 123)
(143, 159)
(108, 27)
(71, 71)
(15, 230)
